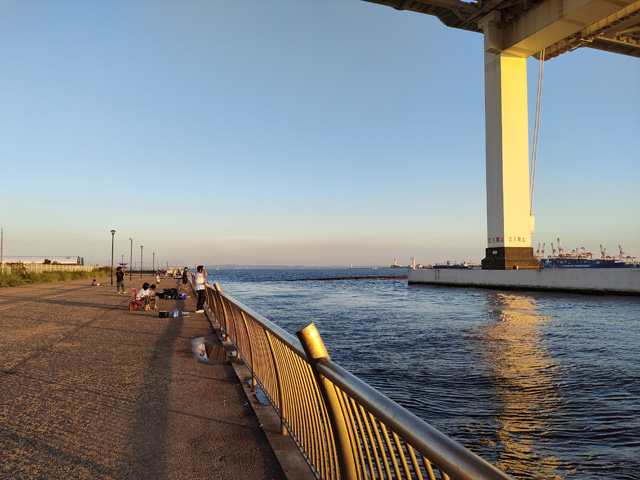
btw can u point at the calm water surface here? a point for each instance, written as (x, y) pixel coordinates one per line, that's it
(542, 385)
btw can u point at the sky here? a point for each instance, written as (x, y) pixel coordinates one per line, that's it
(289, 132)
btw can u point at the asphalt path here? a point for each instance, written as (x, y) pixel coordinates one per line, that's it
(91, 390)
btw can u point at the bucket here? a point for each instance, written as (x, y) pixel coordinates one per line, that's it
(175, 313)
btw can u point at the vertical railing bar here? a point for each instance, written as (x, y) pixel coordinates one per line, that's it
(414, 462)
(283, 429)
(315, 408)
(234, 324)
(260, 355)
(311, 413)
(373, 449)
(326, 435)
(290, 394)
(381, 449)
(223, 320)
(253, 378)
(220, 315)
(236, 336)
(228, 318)
(387, 440)
(364, 443)
(401, 455)
(427, 464)
(353, 433)
(305, 410)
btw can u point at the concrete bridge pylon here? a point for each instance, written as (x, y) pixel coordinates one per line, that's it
(509, 220)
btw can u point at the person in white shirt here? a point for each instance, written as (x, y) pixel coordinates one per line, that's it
(201, 273)
(148, 294)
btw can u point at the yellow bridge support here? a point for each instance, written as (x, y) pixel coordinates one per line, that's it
(509, 223)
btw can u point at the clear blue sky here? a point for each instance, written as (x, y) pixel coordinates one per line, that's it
(314, 132)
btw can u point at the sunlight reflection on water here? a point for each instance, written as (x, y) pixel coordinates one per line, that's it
(542, 385)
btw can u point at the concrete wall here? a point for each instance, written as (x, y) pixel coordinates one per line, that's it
(625, 281)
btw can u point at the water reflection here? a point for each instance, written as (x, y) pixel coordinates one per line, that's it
(525, 383)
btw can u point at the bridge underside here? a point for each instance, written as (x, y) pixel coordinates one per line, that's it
(527, 27)
(513, 31)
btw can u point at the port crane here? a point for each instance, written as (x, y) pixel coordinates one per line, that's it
(624, 257)
(603, 252)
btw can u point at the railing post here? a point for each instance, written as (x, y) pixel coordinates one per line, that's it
(315, 350)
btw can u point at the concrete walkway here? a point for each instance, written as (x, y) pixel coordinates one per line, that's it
(91, 390)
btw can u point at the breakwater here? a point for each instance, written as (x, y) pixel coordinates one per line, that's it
(612, 281)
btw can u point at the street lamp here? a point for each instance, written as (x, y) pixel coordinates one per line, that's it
(153, 268)
(141, 247)
(131, 259)
(113, 232)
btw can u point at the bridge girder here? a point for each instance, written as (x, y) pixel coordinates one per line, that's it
(524, 27)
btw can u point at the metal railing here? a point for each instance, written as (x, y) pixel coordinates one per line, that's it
(344, 428)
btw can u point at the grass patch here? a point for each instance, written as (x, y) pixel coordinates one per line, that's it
(15, 279)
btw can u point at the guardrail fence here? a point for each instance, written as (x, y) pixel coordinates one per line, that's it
(344, 428)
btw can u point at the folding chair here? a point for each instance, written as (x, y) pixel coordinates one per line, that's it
(135, 304)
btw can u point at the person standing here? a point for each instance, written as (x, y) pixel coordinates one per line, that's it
(201, 273)
(185, 279)
(119, 280)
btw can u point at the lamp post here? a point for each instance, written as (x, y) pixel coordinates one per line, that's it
(141, 247)
(113, 232)
(131, 259)
(153, 268)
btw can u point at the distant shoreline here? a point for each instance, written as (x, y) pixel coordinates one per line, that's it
(381, 277)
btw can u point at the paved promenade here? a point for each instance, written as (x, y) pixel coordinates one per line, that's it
(91, 390)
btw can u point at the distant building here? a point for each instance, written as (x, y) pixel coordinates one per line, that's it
(52, 260)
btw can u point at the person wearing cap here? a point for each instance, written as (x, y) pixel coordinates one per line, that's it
(119, 280)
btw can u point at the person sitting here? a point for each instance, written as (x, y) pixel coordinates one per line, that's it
(152, 299)
(145, 293)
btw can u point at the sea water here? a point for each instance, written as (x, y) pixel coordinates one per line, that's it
(542, 385)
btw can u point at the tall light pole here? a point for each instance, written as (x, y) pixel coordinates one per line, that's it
(153, 268)
(131, 259)
(113, 232)
(141, 247)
